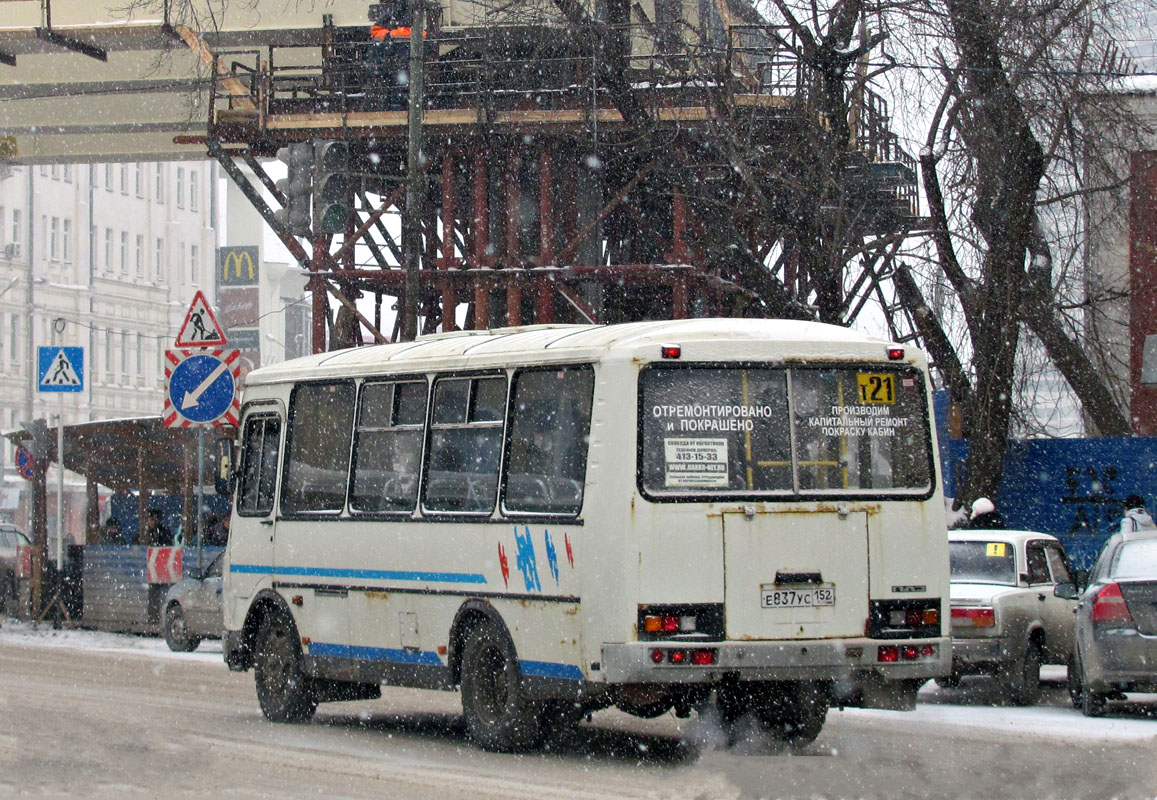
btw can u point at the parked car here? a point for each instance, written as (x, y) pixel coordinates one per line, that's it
(1116, 624)
(11, 537)
(192, 608)
(1012, 600)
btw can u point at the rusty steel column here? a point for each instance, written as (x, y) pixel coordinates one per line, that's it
(513, 248)
(91, 511)
(316, 287)
(449, 298)
(481, 226)
(544, 296)
(679, 229)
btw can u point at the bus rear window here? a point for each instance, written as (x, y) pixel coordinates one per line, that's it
(759, 431)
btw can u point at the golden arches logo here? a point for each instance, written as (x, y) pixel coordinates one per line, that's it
(237, 266)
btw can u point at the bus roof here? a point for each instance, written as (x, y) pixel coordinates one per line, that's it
(700, 340)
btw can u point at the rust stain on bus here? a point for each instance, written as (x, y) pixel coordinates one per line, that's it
(377, 595)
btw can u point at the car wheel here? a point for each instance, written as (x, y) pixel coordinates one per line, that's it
(1075, 685)
(177, 635)
(1021, 678)
(285, 692)
(498, 714)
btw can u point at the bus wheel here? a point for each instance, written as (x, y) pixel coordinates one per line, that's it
(795, 711)
(283, 690)
(177, 635)
(498, 714)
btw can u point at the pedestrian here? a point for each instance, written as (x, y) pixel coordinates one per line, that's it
(111, 532)
(389, 54)
(1136, 518)
(984, 516)
(157, 534)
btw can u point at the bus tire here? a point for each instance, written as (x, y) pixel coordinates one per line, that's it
(795, 711)
(177, 635)
(497, 712)
(284, 691)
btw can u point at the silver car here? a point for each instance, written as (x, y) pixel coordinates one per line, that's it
(192, 608)
(1116, 627)
(1012, 600)
(10, 538)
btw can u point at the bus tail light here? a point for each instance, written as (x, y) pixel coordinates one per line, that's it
(887, 653)
(895, 353)
(974, 617)
(1109, 609)
(696, 656)
(893, 653)
(671, 351)
(702, 622)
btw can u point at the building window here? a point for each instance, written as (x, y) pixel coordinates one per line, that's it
(108, 177)
(124, 356)
(13, 337)
(108, 355)
(124, 252)
(66, 240)
(180, 192)
(55, 172)
(194, 252)
(139, 179)
(124, 178)
(160, 187)
(54, 239)
(108, 249)
(68, 173)
(192, 190)
(159, 263)
(17, 230)
(44, 170)
(140, 254)
(43, 236)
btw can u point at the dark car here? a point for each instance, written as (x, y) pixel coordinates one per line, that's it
(1116, 634)
(192, 608)
(11, 538)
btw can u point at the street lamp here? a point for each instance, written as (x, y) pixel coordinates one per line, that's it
(15, 280)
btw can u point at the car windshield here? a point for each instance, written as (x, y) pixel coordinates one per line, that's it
(982, 562)
(1136, 560)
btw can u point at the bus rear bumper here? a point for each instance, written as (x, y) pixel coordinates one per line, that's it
(820, 659)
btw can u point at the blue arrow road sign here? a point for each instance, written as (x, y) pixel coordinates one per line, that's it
(61, 369)
(201, 388)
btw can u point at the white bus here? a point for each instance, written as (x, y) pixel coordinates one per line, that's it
(557, 519)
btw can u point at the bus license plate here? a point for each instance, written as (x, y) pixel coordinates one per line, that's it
(776, 596)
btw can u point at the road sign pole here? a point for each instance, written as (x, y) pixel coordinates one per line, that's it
(200, 491)
(59, 483)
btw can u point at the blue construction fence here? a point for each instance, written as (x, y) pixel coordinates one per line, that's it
(172, 508)
(1072, 488)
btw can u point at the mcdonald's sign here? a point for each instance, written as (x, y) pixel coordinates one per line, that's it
(237, 266)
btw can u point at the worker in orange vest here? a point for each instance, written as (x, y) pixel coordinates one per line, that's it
(390, 56)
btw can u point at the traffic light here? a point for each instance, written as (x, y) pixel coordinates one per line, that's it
(331, 203)
(39, 440)
(296, 188)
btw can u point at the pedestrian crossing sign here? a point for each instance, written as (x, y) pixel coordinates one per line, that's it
(61, 369)
(201, 328)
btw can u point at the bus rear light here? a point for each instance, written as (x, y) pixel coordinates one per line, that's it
(1109, 609)
(669, 624)
(928, 651)
(657, 656)
(671, 351)
(887, 653)
(895, 353)
(910, 652)
(677, 656)
(978, 617)
(931, 616)
(702, 658)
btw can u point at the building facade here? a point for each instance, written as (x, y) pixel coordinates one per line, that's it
(106, 257)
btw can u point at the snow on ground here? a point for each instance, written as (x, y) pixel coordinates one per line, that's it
(976, 705)
(19, 633)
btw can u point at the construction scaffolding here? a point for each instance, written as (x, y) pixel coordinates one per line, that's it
(569, 171)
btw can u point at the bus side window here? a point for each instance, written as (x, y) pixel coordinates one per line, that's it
(465, 444)
(388, 449)
(261, 443)
(549, 430)
(317, 450)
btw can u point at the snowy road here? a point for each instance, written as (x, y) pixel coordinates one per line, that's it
(87, 714)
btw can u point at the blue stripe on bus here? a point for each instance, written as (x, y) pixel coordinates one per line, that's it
(426, 658)
(379, 574)
(549, 669)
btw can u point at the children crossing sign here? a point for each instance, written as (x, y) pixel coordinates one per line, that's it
(61, 369)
